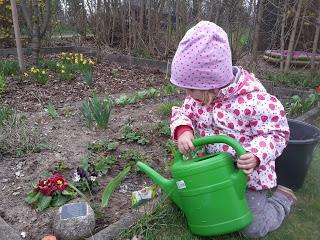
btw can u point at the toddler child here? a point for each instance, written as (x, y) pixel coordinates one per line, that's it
(228, 100)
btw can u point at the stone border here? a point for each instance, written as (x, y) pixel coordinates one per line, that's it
(7, 232)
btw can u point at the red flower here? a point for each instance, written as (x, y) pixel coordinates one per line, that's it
(317, 89)
(60, 182)
(49, 186)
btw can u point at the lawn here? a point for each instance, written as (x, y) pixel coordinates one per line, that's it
(167, 222)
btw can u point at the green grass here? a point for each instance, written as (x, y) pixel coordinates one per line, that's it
(295, 79)
(168, 223)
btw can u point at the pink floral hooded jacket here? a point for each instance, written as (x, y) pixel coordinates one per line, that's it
(246, 112)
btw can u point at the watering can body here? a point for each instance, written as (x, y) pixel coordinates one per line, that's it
(208, 189)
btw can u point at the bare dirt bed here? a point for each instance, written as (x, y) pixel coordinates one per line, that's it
(67, 138)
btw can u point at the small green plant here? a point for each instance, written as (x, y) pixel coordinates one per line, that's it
(136, 97)
(6, 114)
(38, 75)
(103, 164)
(133, 155)
(51, 110)
(113, 184)
(17, 137)
(297, 106)
(102, 146)
(48, 64)
(170, 89)
(87, 77)
(134, 135)
(66, 72)
(97, 110)
(164, 128)
(165, 108)
(296, 79)
(60, 166)
(9, 67)
(3, 84)
(50, 192)
(85, 177)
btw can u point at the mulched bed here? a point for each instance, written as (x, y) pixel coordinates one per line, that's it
(67, 138)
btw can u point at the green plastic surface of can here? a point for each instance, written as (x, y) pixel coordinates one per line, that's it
(208, 189)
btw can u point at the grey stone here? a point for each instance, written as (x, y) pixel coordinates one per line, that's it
(74, 221)
(113, 230)
(7, 232)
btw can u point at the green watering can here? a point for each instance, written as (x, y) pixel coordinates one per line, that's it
(208, 189)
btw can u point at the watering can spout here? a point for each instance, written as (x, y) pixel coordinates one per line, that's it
(165, 184)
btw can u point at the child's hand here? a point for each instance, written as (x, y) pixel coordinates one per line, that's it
(184, 142)
(247, 162)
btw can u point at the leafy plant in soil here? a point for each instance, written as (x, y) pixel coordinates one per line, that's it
(164, 128)
(101, 146)
(51, 110)
(134, 135)
(53, 191)
(37, 75)
(3, 84)
(165, 108)
(9, 67)
(297, 106)
(17, 136)
(103, 164)
(88, 78)
(97, 110)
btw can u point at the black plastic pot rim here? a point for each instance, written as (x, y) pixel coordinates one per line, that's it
(308, 141)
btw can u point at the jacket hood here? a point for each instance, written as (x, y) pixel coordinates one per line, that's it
(243, 84)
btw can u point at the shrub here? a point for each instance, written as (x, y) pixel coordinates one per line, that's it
(300, 79)
(297, 106)
(17, 137)
(9, 67)
(97, 110)
(3, 84)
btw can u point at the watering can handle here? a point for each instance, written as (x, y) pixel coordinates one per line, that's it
(216, 139)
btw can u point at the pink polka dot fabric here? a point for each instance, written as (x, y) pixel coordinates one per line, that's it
(203, 58)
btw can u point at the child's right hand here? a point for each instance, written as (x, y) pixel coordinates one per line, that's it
(184, 141)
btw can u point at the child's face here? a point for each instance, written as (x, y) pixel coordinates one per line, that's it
(199, 94)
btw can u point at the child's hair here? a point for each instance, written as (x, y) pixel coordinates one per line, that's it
(208, 96)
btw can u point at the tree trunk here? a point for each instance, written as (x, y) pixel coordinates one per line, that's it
(301, 28)
(17, 33)
(98, 31)
(35, 40)
(257, 30)
(315, 42)
(218, 12)
(292, 36)
(283, 25)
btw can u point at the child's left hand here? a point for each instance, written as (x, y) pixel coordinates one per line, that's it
(247, 162)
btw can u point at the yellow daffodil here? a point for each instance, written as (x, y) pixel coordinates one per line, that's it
(84, 62)
(76, 61)
(26, 74)
(62, 66)
(43, 72)
(68, 58)
(62, 71)
(91, 62)
(58, 64)
(63, 53)
(32, 69)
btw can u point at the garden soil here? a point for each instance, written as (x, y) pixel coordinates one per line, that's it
(67, 138)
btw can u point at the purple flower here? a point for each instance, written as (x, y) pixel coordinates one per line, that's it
(82, 173)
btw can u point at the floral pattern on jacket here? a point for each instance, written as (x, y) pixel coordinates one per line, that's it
(246, 112)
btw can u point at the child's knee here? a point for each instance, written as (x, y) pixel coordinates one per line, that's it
(255, 230)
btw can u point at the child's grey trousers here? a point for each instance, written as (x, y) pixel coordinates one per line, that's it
(268, 212)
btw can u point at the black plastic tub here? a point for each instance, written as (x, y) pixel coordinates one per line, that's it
(292, 166)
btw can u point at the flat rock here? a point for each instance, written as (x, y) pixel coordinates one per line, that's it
(7, 232)
(74, 221)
